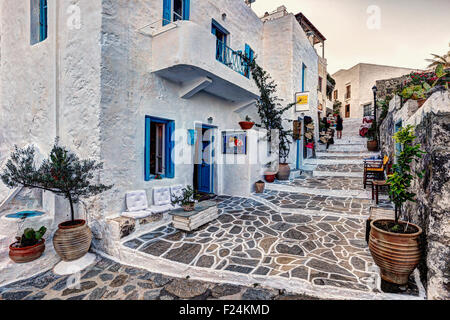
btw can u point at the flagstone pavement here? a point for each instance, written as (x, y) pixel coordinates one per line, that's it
(308, 231)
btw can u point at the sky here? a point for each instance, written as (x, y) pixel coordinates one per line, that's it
(399, 33)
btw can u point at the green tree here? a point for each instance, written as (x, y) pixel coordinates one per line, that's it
(400, 180)
(270, 109)
(63, 173)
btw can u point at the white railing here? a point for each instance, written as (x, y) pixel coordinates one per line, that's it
(156, 28)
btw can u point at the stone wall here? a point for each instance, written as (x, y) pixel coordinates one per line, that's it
(431, 211)
(390, 86)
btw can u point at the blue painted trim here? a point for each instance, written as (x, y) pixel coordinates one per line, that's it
(167, 12)
(43, 20)
(219, 27)
(186, 9)
(303, 76)
(147, 149)
(169, 147)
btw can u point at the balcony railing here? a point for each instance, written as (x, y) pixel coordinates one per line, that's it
(232, 59)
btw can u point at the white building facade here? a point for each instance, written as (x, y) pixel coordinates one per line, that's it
(115, 79)
(354, 87)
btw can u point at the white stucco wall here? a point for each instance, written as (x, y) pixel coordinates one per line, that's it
(94, 85)
(362, 77)
(285, 66)
(51, 88)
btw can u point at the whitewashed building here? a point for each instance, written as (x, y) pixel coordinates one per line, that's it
(114, 79)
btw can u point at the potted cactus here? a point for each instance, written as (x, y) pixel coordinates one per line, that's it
(63, 174)
(29, 246)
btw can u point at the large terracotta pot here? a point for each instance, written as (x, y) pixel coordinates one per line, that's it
(397, 254)
(26, 254)
(246, 125)
(372, 145)
(284, 172)
(270, 176)
(72, 240)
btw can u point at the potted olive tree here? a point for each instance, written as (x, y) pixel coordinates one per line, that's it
(394, 244)
(64, 174)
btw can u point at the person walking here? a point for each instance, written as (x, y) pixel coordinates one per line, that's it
(339, 126)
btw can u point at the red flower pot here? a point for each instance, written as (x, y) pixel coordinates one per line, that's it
(270, 176)
(246, 125)
(26, 254)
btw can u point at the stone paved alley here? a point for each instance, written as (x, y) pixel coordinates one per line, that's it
(305, 235)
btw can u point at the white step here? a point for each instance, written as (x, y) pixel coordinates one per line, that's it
(337, 174)
(351, 148)
(341, 160)
(347, 154)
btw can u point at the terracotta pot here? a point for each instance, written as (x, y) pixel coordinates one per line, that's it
(259, 187)
(189, 207)
(269, 176)
(284, 172)
(246, 125)
(420, 102)
(72, 240)
(397, 254)
(26, 254)
(372, 145)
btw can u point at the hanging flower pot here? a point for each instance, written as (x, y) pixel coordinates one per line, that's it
(246, 125)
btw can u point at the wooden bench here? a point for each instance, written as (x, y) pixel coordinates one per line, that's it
(204, 212)
(378, 213)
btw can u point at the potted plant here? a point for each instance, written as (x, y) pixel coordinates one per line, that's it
(29, 246)
(394, 244)
(259, 186)
(247, 124)
(271, 112)
(65, 175)
(372, 141)
(186, 200)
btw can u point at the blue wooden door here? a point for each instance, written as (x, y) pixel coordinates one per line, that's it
(206, 168)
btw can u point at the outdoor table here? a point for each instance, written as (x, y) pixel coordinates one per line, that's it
(204, 212)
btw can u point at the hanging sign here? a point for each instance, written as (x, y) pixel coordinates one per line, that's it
(302, 101)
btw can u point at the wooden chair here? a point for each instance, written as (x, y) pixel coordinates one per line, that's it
(374, 170)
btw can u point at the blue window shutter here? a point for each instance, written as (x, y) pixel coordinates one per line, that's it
(170, 146)
(187, 9)
(148, 122)
(42, 20)
(167, 12)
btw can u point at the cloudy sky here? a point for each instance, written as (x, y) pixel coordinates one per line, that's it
(409, 30)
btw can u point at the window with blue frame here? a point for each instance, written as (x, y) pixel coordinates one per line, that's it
(159, 146)
(38, 21)
(222, 36)
(175, 10)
